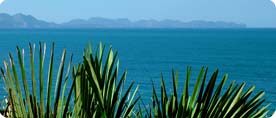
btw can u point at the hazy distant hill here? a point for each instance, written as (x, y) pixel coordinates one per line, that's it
(29, 22)
(23, 21)
(125, 23)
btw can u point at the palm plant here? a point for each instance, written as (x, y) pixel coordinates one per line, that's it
(208, 101)
(32, 104)
(98, 91)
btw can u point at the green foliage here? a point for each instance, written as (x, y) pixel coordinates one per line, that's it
(27, 104)
(208, 101)
(97, 92)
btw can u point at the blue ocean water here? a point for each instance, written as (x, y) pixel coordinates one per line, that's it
(247, 55)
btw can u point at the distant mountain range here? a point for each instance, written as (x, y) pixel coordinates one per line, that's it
(22, 21)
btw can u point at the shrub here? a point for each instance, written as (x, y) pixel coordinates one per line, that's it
(28, 104)
(207, 101)
(97, 92)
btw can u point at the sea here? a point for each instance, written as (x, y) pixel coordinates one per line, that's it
(246, 55)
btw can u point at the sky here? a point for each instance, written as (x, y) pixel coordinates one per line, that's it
(253, 13)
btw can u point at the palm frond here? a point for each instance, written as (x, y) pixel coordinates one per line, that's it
(209, 100)
(97, 91)
(28, 104)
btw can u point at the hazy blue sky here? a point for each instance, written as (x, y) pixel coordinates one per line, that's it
(254, 13)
